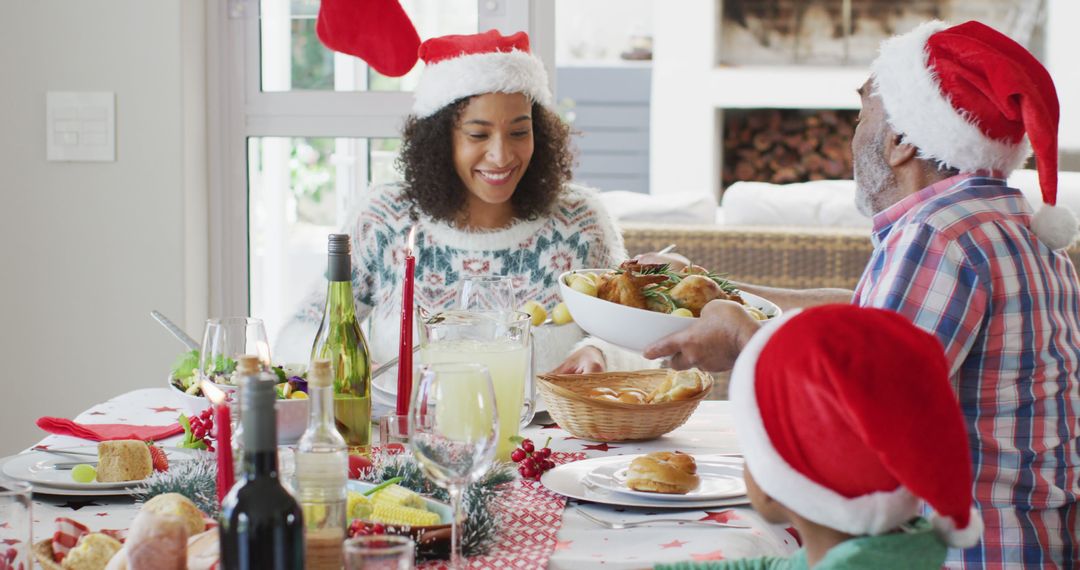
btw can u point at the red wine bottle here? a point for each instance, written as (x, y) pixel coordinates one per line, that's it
(262, 527)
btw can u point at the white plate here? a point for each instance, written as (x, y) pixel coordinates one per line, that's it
(629, 327)
(40, 489)
(37, 467)
(572, 480)
(719, 480)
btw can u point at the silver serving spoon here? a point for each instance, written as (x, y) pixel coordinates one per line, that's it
(182, 336)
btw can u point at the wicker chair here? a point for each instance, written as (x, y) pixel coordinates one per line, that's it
(797, 258)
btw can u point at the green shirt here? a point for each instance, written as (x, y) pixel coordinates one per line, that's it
(914, 550)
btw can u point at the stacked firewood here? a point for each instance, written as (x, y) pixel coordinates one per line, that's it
(787, 145)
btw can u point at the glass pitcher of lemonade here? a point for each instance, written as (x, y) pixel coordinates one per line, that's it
(498, 340)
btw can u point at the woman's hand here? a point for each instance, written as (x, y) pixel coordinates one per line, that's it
(712, 343)
(585, 360)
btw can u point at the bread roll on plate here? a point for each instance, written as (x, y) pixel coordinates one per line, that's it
(669, 472)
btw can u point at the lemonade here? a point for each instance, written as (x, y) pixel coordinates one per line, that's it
(507, 362)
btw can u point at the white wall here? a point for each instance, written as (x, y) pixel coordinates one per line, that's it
(89, 249)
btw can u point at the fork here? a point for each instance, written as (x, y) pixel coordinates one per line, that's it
(617, 525)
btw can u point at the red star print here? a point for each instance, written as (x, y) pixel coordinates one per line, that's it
(5, 525)
(10, 541)
(721, 517)
(96, 414)
(600, 447)
(41, 447)
(165, 409)
(674, 544)
(552, 425)
(102, 515)
(563, 544)
(714, 555)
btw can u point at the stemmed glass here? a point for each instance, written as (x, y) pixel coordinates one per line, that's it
(487, 294)
(454, 428)
(224, 340)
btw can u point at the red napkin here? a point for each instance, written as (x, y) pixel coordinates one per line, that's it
(107, 432)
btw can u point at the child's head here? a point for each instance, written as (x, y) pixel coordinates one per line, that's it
(847, 419)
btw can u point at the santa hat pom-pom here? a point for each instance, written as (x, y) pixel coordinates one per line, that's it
(963, 538)
(1056, 226)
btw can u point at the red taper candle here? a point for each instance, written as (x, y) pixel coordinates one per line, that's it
(223, 424)
(405, 346)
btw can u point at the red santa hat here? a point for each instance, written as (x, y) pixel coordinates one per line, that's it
(846, 416)
(462, 66)
(970, 97)
(376, 31)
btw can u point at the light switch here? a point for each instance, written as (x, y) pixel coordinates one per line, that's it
(80, 126)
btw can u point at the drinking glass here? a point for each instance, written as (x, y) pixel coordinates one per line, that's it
(454, 429)
(16, 524)
(488, 294)
(499, 341)
(383, 552)
(394, 433)
(225, 340)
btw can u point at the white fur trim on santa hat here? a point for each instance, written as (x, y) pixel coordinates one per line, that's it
(1056, 226)
(964, 538)
(872, 514)
(916, 109)
(447, 81)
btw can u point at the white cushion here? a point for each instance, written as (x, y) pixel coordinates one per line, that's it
(672, 208)
(822, 203)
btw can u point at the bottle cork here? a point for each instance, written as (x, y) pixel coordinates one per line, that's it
(320, 376)
(248, 365)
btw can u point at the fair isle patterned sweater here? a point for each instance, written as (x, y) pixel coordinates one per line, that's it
(577, 234)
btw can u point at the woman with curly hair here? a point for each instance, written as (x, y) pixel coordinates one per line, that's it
(487, 169)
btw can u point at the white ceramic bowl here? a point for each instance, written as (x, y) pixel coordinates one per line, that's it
(292, 415)
(629, 327)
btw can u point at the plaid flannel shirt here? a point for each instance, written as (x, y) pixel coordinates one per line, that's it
(960, 260)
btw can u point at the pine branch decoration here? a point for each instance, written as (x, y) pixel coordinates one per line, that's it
(195, 479)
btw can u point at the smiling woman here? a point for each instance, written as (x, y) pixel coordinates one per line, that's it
(486, 166)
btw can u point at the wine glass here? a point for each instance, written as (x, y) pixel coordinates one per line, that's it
(487, 294)
(454, 428)
(224, 340)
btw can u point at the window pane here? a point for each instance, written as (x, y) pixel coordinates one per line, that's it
(293, 58)
(300, 190)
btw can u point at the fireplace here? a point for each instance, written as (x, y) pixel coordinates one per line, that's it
(787, 145)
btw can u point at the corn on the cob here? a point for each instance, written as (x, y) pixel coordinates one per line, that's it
(359, 506)
(403, 516)
(397, 495)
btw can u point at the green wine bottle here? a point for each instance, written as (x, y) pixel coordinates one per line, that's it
(340, 341)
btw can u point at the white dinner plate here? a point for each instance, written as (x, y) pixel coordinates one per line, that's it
(719, 480)
(572, 480)
(41, 489)
(38, 468)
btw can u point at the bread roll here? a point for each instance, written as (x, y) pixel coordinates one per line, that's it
(673, 473)
(157, 542)
(203, 552)
(601, 391)
(679, 385)
(632, 396)
(93, 552)
(625, 396)
(180, 506)
(123, 460)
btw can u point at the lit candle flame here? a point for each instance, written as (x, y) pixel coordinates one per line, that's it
(213, 393)
(412, 241)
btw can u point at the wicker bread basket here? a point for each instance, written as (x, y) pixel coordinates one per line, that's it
(568, 402)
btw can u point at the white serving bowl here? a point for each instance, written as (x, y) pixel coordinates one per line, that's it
(628, 327)
(292, 415)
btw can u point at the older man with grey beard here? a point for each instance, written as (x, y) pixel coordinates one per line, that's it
(946, 115)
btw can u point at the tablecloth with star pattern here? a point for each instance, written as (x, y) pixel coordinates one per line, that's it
(578, 544)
